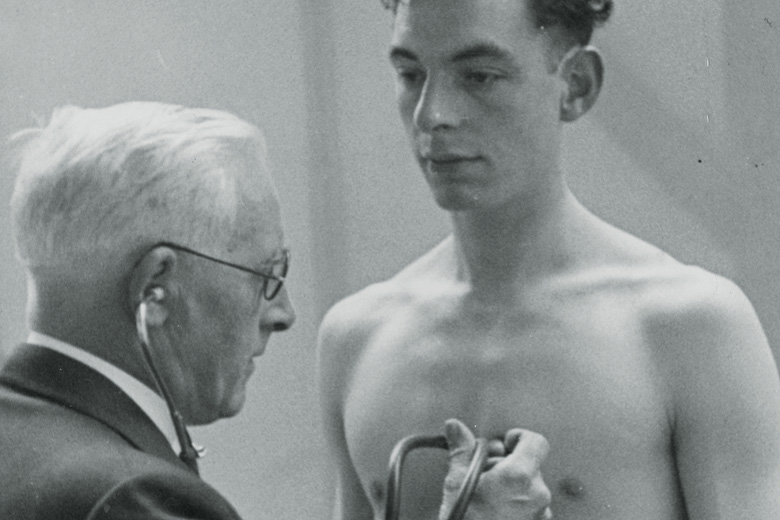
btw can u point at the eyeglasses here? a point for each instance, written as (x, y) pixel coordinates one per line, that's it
(272, 282)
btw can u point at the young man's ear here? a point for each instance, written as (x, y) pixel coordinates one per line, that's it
(583, 71)
(151, 284)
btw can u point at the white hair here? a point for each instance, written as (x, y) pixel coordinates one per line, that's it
(95, 185)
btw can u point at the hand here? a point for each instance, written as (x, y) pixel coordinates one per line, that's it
(511, 488)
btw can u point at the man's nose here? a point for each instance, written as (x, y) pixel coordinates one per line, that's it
(280, 314)
(438, 106)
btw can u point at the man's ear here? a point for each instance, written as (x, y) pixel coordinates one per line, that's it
(151, 282)
(583, 71)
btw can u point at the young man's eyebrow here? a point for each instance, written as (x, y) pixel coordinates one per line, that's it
(477, 50)
(481, 50)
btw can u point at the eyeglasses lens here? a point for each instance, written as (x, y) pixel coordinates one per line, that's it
(279, 270)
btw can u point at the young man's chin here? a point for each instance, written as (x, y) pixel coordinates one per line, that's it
(453, 198)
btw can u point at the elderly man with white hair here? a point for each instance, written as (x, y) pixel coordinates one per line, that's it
(155, 257)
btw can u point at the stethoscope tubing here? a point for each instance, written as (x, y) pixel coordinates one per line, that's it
(413, 442)
(188, 453)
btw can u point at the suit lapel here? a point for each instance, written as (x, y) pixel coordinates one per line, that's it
(49, 374)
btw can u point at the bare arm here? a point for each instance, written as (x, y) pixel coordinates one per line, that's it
(337, 347)
(725, 398)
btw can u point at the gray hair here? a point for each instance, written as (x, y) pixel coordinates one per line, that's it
(95, 185)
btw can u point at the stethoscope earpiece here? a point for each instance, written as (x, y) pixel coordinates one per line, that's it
(155, 294)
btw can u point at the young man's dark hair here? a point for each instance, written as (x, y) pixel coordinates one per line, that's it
(577, 17)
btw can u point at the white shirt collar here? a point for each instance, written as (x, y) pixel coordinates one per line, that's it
(149, 401)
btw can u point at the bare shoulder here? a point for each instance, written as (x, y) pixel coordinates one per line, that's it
(674, 298)
(698, 329)
(702, 331)
(700, 308)
(351, 321)
(349, 325)
(722, 388)
(682, 309)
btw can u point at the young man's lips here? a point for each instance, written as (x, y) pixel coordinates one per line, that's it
(449, 159)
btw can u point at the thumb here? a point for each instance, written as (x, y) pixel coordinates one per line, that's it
(460, 442)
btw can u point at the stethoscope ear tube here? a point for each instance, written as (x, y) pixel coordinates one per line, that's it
(413, 442)
(189, 453)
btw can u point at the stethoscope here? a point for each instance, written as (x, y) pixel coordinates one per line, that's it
(405, 446)
(189, 453)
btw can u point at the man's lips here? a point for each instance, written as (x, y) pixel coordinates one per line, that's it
(449, 165)
(250, 368)
(448, 158)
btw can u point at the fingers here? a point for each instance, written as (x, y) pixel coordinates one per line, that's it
(539, 495)
(524, 463)
(496, 448)
(461, 444)
(515, 482)
(496, 452)
(511, 439)
(534, 444)
(529, 450)
(511, 485)
(460, 441)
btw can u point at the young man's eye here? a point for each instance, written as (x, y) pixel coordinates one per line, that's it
(481, 78)
(409, 76)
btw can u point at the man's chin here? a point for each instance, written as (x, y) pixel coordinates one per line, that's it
(234, 405)
(449, 200)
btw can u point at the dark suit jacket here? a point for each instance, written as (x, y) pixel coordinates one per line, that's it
(74, 446)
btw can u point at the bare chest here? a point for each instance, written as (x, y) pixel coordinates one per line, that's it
(584, 381)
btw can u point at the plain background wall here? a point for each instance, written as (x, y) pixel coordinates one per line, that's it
(682, 149)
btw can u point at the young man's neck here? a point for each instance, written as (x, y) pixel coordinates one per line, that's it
(498, 247)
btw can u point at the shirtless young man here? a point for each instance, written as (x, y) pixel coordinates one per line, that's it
(652, 380)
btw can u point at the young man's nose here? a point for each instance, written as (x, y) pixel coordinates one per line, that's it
(438, 106)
